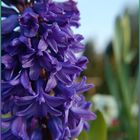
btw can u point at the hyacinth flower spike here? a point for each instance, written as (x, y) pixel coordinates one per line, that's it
(41, 98)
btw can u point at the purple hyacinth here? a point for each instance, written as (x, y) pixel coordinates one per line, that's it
(41, 96)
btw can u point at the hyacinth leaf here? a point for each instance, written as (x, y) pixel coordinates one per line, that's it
(122, 68)
(130, 56)
(118, 39)
(136, 85)
(111, 81)
(83, 136)
(124, 56)
(98, 128)
(126, 35)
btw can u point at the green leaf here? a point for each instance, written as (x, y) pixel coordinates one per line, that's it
(111, 78)
(118, 40)
(83, 136)
(98, 128)
(126, 29)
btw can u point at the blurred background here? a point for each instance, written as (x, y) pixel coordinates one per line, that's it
(110, 29)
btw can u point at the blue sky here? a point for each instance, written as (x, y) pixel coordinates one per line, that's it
(98, 17)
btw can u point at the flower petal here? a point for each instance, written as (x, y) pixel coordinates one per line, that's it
(71, 69)
(29, 111)
(8, 61)
(55, 125)
(82, 86)
(76, 131)
(63, 77)
(25, 82)
(8, 11)
(24, 100)
(82, 61)
(50, 84)
(82, 113)
(9, 24)
(52, 43)
(19, 128)
(34, 72)
(42, 46)
(37, 135)
(54, 101)
(48, 109)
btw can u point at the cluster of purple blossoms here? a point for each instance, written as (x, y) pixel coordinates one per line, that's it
(41, 96)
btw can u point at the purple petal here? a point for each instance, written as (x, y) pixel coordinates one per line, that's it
(34, 72)
(48, 109)
(8, 74)
(86, 126)
(29, 23)
(82, 62)
(24, 100)
(82, 113)
(46, 61)
(25, 82)
(67, 133)
(71, 69)
(66, 115)
(8, 11)
(8, 61)
(79, 37)
(19, 128)
(30, 31)
(5, 126)
(77, 47)
(15, 2)
(54, 125)
(25, 58)
(58, 34)
(70, 56)
(9, 24)
(39, 8)
(6, 93)
(66, 92)
(76, 131)
(36, 135)
(15, 81)
(50, 84)
(42, 46)
(28, 64)
(52, 43)
(24, 79)
(82, 86)
(63, 77)
(54, 101)
(29, 111)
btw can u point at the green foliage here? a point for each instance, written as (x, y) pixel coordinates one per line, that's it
(120, 74)
(98, 129)
(83, 136)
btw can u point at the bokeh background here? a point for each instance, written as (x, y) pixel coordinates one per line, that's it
(111, 34)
